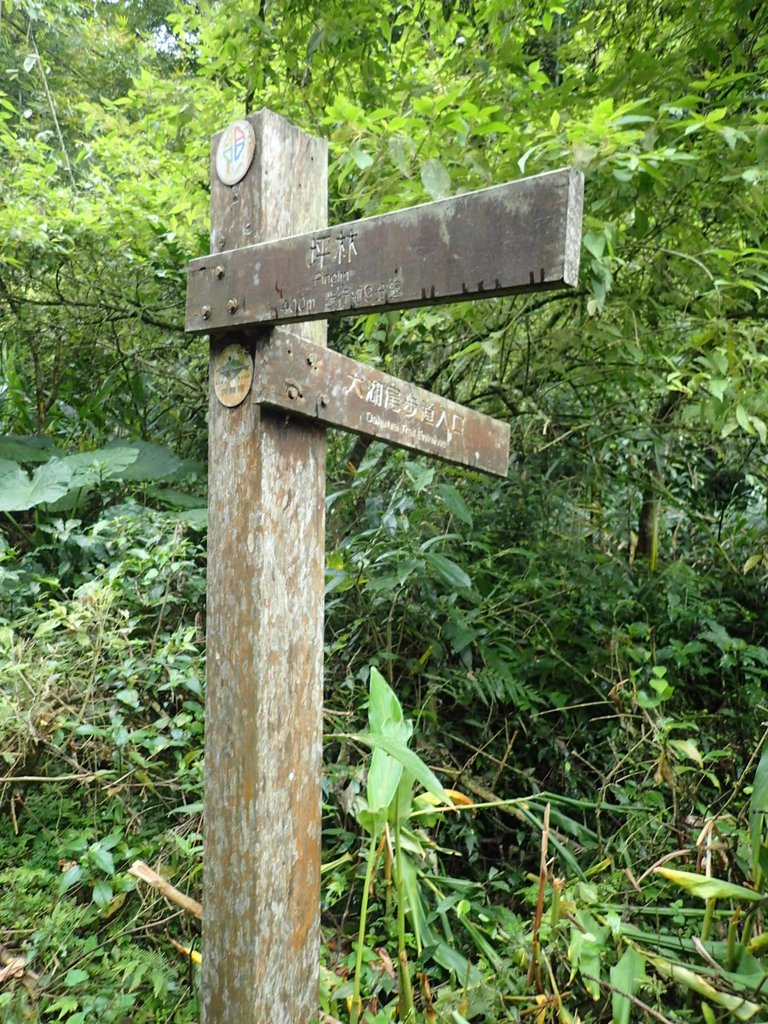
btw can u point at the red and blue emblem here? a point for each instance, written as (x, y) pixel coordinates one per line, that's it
(235, 152)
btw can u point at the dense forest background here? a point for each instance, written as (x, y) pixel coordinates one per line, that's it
(582, 649)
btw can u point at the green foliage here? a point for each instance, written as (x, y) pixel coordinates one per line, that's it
(589, 636)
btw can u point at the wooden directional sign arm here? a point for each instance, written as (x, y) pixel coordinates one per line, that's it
(518, 237)
(307, 380)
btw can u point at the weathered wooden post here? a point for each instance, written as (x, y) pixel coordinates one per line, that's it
(261, 882)
(274, 263)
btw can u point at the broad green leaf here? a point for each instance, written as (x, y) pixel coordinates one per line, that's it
(408, 759)
(152, 462)
(460, 633)
(384, 776)
(626, 978)
(760, 427)
(455, 503)
(435, 179)
(27, 449)
(708, 1013)
(717, 387)
(709, 888)
(385, 718)
(402, 804)
(414, 904)
(69, 878)
(385, 773)
(463, 969)
(594, 242)
(493, 128)
(758, 803)
(758, 814)
(383, 705)
(75, 977)
(761, 145)
(101, 464)
(752, 561)
(172, 498)
(586, 945)
(194, 518)
(360, 157)
(19, 492)
(742, 418)
(422, 475)
(448, 571)
(102, 893)
(102, 859)
(398, 156)
(129, 696)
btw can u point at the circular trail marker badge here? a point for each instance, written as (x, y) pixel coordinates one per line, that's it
(235, 152)
(232, 375)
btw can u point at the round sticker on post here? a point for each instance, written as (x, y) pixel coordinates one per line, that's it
(235, 152)
(232, 375)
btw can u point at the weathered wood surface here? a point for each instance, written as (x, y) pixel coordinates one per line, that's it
(320, 384)
(261, 893)
(510, 238)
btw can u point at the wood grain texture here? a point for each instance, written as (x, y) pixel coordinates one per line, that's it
(518, 237)
(323, 385)
(263, 753)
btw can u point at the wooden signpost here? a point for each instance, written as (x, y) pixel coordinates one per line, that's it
(276, 273)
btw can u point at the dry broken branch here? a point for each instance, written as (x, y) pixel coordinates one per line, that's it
(146, 874)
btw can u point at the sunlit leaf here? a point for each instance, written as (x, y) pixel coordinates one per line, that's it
(709, 888)
(688, 749)
(435, 179)
(742, 1008)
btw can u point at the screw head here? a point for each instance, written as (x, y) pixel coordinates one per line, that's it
(311, 360)
(232, 305)
(205, 312)
(293, 391)
(219, 271)
(323, 400)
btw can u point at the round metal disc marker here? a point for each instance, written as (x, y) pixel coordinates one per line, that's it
(232, 375)
(235, 152)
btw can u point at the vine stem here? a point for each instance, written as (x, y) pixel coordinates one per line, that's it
(354, 1015)
(52, 108)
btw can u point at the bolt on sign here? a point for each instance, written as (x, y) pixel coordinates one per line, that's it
(275, 275)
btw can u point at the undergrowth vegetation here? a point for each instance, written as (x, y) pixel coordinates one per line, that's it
(545, 783)
(591, 847)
